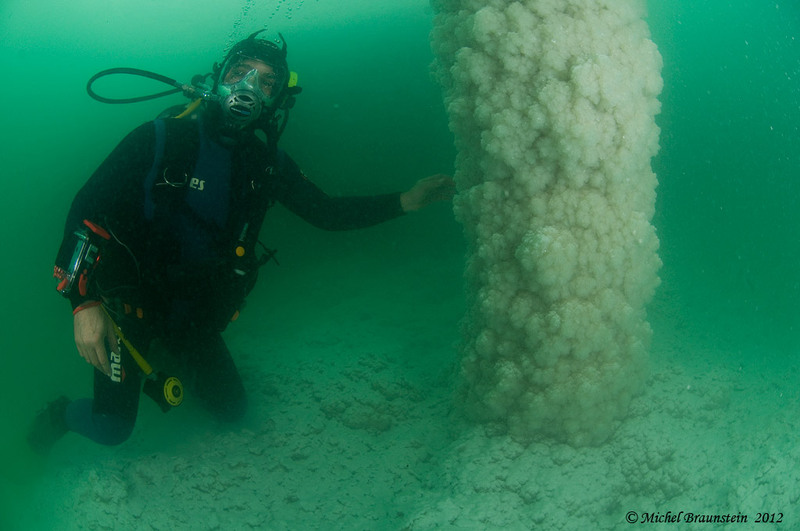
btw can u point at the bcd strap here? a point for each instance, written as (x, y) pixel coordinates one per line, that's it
(174, 158)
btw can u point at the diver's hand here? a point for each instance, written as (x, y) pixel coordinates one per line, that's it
(93, 329)
(437, 187)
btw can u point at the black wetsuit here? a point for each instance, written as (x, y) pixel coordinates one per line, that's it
(184, 212)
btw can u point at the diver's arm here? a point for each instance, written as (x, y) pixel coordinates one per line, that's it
(343, 213)
(308, 201)
(305, 199)
(113, 195)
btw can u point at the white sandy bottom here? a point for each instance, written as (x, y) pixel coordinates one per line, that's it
(354, 446)
(352, 426)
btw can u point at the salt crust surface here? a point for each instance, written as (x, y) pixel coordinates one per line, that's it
(370, 443)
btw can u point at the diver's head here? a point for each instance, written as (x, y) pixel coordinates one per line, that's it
(252, 80)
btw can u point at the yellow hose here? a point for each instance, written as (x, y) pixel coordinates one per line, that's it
(190, 109)
(146, 368)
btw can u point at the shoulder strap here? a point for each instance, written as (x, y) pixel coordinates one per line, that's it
(149, 182)
(172, 168)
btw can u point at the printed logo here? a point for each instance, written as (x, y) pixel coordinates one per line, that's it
(116, 367)
(117, 371)
(197, 184)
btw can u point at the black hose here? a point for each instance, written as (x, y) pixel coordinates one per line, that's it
(133, 72)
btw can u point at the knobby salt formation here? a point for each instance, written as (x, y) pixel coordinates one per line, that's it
(552, 103)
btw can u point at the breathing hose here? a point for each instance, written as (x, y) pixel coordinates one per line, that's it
(179, 87)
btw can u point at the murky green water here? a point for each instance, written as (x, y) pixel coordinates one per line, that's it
(371, 120)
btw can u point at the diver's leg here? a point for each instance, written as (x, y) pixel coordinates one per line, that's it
(109, 417)
(217, 381)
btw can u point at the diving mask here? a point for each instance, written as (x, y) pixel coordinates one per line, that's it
(246, 94)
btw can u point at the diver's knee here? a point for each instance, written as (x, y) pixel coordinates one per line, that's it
(113, 430)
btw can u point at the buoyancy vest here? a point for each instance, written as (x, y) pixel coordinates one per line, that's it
(204, 205)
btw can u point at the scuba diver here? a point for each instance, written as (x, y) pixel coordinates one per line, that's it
(161, 244)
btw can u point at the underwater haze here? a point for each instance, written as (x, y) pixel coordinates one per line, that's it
(349, 347)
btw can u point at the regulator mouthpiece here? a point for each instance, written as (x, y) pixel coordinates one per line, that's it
(242, 107)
